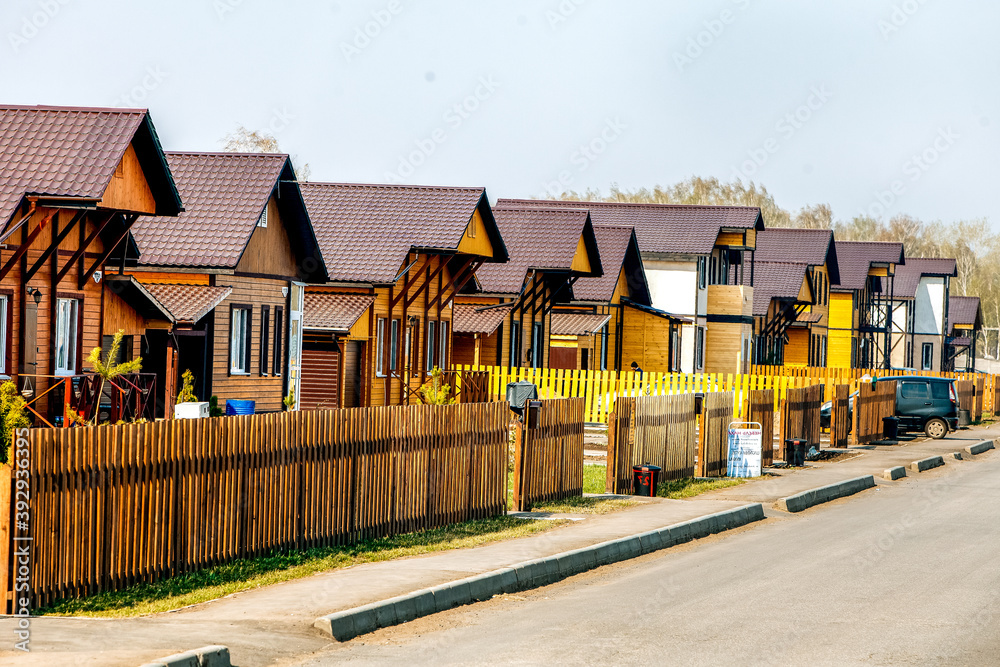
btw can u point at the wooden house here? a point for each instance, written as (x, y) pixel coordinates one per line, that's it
(73, 181)
(860, 303)
(965, 323)
(396, 257)
(687, 253)
(219, 289)
(920, 324)
(549, 250)
(610, 322)
(792, 311)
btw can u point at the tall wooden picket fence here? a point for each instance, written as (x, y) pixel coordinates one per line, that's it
(966, 395)
(800, 416)
(112, 506)
(659, 430)
(761, 410)
(874, 402)
(713, 435)
(548, 455)
(980, 400)
(840, 416)
(600, 389)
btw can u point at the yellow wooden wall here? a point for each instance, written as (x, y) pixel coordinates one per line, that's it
(841, 331)
(797, 348)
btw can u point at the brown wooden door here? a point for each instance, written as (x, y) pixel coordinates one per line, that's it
(352, 373)
(563, 358)
(320, 377)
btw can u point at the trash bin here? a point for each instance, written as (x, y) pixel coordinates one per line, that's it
(519, 393)
(964, 417)
(644, 480)
(240, 407)
(795, 451)
(890, 428)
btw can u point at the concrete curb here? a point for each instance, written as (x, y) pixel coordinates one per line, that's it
(927, 464)
(824, 494)
(892, 474)
(206, 656)
(954, 455)
(350, 623)
(980, 447)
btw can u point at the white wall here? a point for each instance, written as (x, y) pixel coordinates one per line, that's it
(673, 286)
(929, 304)
(689, 333)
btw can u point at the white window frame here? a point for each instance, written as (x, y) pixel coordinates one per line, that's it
(67, 335)
(394, 345)
(380, 347)
(239, 340)
(443, 344)
(537, 340)
(699, 352)
(262, 220)
(927, 357)
(430, 345)
(4, 333)
(514, 344)
(604, 347)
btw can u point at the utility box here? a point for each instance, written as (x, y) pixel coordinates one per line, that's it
(191, 410)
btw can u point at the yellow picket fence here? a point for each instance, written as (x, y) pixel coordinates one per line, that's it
(601, 388)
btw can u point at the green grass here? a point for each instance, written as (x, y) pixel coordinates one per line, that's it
(595, 478)
(690, 487)
(241, 575)
(581, 505)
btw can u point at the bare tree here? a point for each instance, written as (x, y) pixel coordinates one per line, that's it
(243, 140)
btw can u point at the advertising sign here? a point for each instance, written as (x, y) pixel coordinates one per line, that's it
(745, 440)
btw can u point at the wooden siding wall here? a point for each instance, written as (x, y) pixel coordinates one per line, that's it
(268, 390)
(841, 330)
(118, 315)
(269, 252)
(113, 506)
(129, 190)
(645, 340)
(797, 348)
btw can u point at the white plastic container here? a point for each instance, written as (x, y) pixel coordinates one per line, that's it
(191, 410)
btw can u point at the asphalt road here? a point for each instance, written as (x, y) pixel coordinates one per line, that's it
(908, 574)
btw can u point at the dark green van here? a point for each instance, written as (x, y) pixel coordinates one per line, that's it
(928, 404)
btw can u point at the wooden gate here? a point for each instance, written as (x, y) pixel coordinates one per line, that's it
(762, 411)
(840, 416)
(874, 402)
(713, 437)
(659, 430)
(475, 387)
(548, 453)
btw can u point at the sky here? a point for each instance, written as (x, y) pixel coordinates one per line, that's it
(878, 107)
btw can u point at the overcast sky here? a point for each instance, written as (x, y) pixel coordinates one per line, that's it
(878, 106)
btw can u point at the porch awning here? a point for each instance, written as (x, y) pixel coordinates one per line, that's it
(577, 324)
(334, 312)
(138, 297)
(187, 304)
(477, 318)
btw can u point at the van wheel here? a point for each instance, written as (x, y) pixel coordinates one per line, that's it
(936, 428)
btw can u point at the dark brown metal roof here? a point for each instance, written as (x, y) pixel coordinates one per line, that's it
(814, 247)
(334, 312)
(856, 257)
(619, 251)
(577, 324)
(474, 319)
(224, 195)
(365, 231)
(963, 311)
(187, 303)
(663, 228)
(73, 152)
(541, 239)
(908, 275)
(776, 280)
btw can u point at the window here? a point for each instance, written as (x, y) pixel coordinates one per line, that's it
(262, 220)
(124, 349)
(515, 343)
(604, 347)
(913, 390)
(700, 348)
(941, 390)
(701, 272)
(927, 357)
(279, 363)
(380, 347)
(5, 322)
(394, 346)
(67, 327)
(675, 342)
(822, 351)
(431, 339)
(443, 345)
(413, 347)
(265, 337)
(239, 339)
(537, 343)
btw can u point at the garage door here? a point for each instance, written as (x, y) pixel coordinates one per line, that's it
(320, 376)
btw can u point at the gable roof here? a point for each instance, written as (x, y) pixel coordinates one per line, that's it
(776, 280)
(577, 324)
(855, 258)
(963, 311)
(187, 303)
(663, 228)
(814, 247)
(541, 239)
(619, 251)
(908, 275)
(334, 312)
(478, 318)
(224, 195)
(73, 152)
(366, 231)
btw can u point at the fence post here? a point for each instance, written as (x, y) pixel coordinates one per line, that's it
(519, 450)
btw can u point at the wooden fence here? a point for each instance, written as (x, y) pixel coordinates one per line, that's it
(474, 387)
(548, 455)
(800, 416)
(966, 395)
(874, 401)
(112, 506)
(659, 430)
(980, 400)
(713, 435)
(761, 409)
(840, 416)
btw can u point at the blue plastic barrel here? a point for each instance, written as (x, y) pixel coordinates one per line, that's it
(238, 407)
